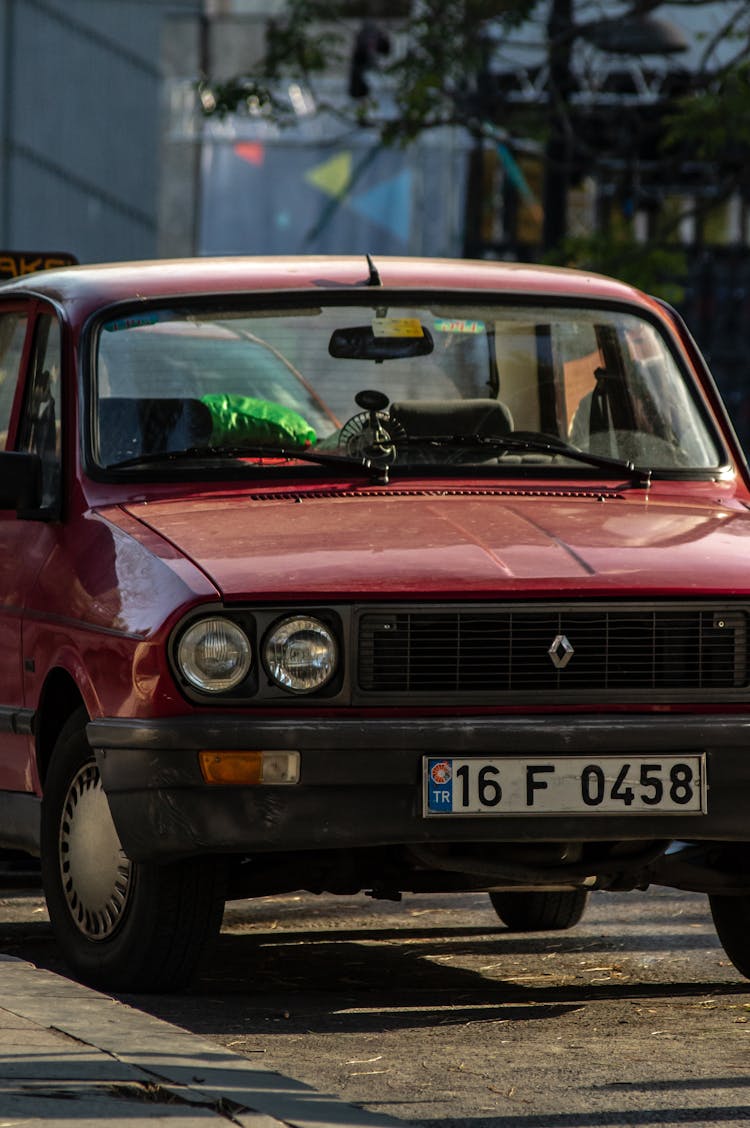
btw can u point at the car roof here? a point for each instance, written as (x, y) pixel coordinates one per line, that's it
(83, 289)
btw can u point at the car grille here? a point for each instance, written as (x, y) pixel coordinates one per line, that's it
(578, 652)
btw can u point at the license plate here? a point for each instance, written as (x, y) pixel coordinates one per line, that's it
(557, 785)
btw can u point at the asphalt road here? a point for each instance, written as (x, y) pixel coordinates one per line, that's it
(431, 1011)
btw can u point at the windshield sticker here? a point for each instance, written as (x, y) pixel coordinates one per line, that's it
(397, 327)
(457, 325)
(138, 320)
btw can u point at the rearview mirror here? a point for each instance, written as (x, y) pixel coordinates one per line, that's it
(360, 343)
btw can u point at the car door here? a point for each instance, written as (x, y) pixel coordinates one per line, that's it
(30, 400)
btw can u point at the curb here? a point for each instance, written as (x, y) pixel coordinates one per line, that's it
(63, 1042)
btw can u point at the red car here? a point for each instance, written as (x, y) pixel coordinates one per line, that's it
(341, 574)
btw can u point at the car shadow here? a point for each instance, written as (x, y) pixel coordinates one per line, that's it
(280, 961)
(367, 980)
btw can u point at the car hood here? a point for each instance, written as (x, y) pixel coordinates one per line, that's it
(334, 544)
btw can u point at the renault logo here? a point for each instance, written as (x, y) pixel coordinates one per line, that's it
(560, 651)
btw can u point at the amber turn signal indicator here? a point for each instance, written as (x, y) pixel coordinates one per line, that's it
(249, 768)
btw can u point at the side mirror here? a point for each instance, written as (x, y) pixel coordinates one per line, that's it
(20, 480)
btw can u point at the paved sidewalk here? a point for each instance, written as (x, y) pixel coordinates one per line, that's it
(69, 1054)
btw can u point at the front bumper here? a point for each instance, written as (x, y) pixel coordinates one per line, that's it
(361, 781)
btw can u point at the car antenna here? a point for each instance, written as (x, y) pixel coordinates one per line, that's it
(373, 277)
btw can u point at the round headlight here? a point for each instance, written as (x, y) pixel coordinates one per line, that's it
(301, 654)
(214, 655)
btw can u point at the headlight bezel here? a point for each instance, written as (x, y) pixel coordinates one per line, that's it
(258, 688)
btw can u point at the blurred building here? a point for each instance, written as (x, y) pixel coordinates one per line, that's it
(81, 95)
(319, 184)
(105, 154)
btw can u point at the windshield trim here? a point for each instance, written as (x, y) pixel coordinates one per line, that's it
(703, 398)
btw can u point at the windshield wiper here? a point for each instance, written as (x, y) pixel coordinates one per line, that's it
(208, 453)
(615, 466)
(552, 446)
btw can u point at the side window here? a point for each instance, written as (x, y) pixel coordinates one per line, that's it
(12, 335)
(40, 422)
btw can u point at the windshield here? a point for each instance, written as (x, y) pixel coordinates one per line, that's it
(452, 385)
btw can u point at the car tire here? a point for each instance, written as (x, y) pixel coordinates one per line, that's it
(121, 925)
(732, 922)
(540, 912)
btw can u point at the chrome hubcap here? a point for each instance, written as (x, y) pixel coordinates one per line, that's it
(96, 875)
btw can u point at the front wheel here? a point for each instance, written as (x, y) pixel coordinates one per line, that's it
(540, 911)
(121, 925)
(732, 922)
